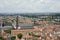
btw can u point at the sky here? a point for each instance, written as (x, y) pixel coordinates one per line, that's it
(29, 6)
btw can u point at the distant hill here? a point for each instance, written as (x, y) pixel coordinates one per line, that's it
(29, 14)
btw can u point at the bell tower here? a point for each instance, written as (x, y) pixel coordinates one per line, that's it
(17, 22)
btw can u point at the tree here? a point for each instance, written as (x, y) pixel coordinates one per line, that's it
(31, 34)
(19, 36)
(49, 19)
(13, 37)
(7, 31)
(1, 38)
(35, 35)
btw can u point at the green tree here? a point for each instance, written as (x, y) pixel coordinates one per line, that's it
(49, 19)
(7, 31)
(31, 34)
(35, 35)
(1, 38)
(13, 37)
(19, 36)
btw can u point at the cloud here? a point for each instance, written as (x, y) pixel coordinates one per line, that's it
(29, 6)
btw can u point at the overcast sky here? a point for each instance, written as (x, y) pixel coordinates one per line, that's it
(29, 6)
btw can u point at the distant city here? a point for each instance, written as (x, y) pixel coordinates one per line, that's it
(30, 26)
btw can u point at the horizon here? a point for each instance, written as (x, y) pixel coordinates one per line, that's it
(29, 14)
(35, 13)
